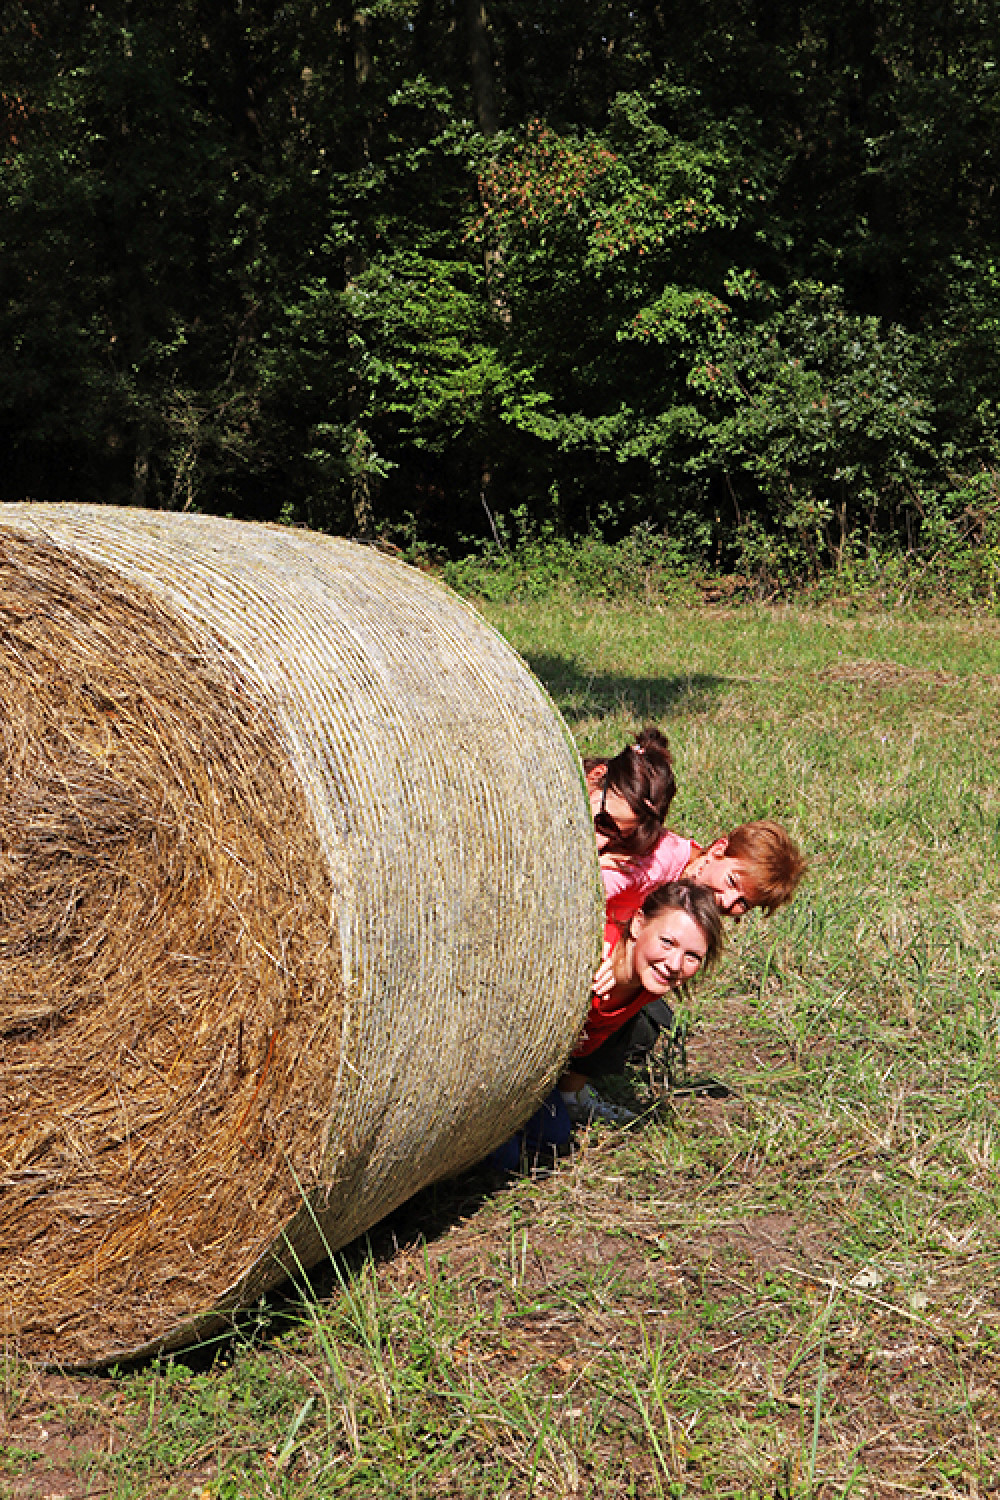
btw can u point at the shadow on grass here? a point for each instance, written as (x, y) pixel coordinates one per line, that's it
(421, 1219)
(580, 694)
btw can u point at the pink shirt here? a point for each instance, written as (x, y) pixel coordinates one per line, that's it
(626, 885)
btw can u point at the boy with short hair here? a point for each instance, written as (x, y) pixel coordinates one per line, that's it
(758, 864)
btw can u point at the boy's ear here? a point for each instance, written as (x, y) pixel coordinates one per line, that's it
(718, 848)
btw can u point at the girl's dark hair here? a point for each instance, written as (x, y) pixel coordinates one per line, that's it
(643, 774)
(697, 902)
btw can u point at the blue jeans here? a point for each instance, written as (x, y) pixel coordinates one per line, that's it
(549, 1128)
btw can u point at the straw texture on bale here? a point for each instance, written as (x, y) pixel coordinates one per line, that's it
(299, 906)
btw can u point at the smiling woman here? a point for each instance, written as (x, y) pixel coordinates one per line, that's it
(668, 948)
(676, 933)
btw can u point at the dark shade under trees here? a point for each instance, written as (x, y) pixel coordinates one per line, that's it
(437, 270)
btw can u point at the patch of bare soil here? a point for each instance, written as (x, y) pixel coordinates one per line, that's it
(58, 1433)
(885, 674)
(49, 1425)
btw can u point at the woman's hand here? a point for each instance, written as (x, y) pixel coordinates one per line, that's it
(604, 975)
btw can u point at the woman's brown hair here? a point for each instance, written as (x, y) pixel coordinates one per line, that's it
(773, 862)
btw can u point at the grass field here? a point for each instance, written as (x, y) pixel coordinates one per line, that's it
(785, 1279)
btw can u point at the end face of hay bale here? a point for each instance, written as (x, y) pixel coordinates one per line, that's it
(301, 899)
(170, 981)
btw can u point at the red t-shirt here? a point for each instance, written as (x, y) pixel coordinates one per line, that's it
(605, 1017)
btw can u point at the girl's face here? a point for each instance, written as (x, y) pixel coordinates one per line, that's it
(612, 816)
(670, 948)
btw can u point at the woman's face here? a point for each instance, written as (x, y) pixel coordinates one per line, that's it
(670, 948)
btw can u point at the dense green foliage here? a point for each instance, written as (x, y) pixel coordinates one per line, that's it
(730, 270)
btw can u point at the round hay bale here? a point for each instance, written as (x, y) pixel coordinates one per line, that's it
(299, 910)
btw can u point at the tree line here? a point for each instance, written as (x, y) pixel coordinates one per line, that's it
(443, 270)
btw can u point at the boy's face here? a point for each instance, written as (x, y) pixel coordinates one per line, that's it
(728, 879)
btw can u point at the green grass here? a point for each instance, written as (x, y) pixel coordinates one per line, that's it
(787, 1292)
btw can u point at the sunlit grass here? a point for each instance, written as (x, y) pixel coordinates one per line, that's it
(786, 1292)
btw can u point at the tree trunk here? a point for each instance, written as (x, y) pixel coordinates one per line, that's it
(358, 72)
(481, 64)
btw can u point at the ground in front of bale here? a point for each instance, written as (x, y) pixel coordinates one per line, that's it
(712, 1302)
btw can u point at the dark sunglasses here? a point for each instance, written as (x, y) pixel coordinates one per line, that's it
(603, 821)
